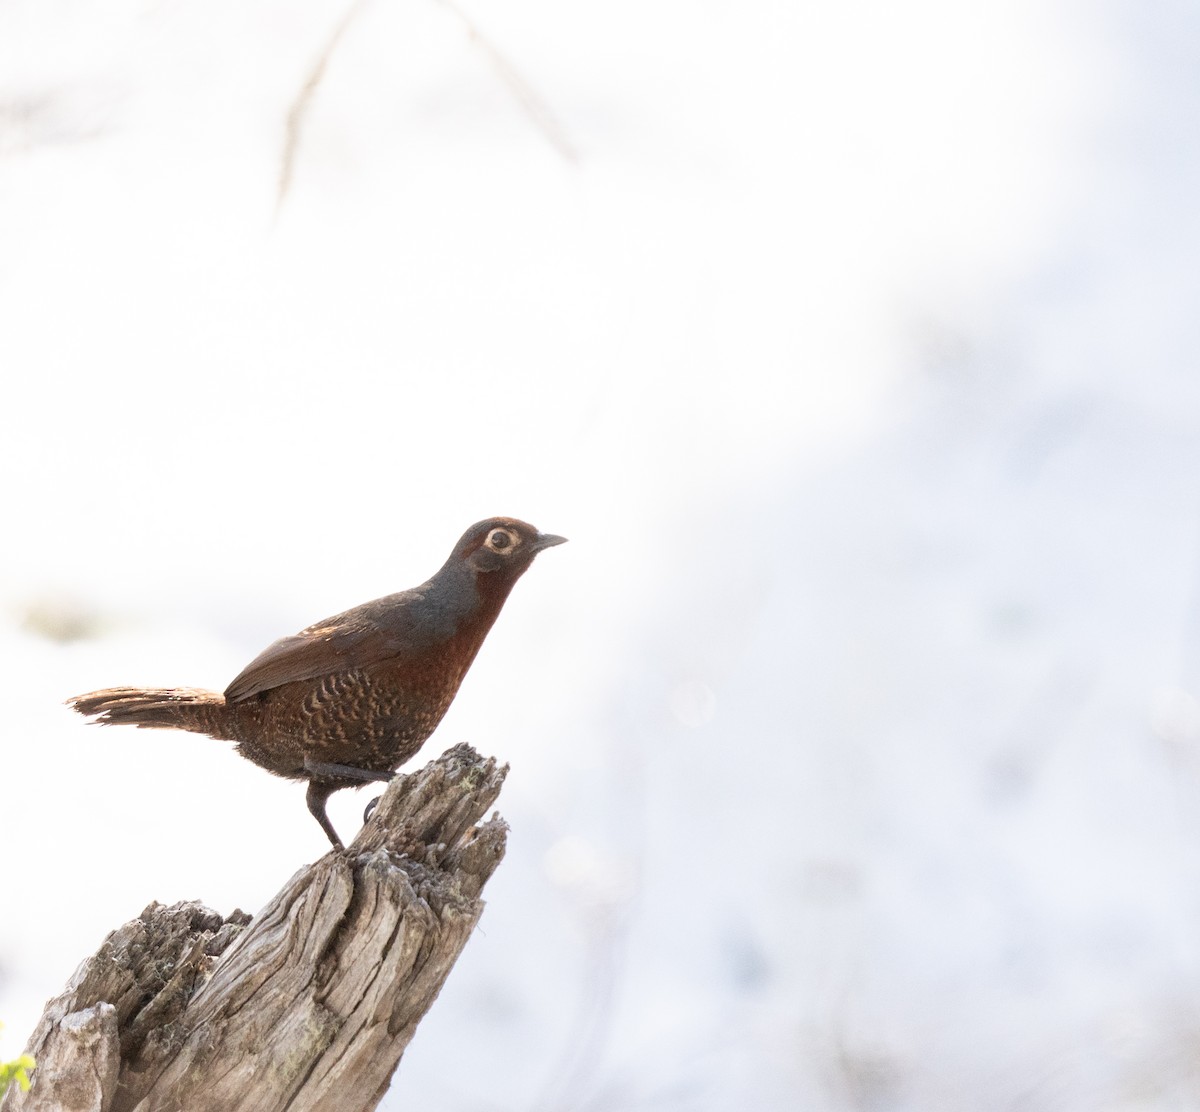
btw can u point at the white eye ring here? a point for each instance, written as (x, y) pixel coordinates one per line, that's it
(499, 540)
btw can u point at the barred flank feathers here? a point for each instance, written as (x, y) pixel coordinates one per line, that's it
(168, 708)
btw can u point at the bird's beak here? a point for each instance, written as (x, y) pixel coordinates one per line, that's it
(547, 540)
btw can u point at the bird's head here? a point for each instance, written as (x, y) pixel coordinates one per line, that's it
(501, 546)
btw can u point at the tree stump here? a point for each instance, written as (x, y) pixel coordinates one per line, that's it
(310, 1005)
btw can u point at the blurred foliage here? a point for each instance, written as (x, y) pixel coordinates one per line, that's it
(17, 1071)
(60, 618)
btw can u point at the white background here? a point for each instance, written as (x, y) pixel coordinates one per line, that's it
(854, 736)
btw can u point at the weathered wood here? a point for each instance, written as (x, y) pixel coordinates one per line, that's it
(310, 1005)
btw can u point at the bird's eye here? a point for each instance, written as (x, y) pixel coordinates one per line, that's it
(500, 539)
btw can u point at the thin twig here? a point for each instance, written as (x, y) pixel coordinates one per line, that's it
(531, 102)
(299, 110)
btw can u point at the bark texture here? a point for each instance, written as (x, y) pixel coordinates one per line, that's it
(310, 1005)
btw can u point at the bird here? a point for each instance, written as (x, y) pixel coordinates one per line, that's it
(349, 699)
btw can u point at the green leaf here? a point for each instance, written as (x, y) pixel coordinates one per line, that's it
(16, 1071)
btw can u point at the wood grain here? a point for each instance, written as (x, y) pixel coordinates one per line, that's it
(308, 1006)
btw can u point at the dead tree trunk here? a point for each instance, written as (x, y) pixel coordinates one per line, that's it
(309, 1005)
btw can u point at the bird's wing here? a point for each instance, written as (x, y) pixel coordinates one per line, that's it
(351, 640)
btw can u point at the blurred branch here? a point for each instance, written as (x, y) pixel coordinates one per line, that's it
(299, 110)
(309, 1006)
(532, 104)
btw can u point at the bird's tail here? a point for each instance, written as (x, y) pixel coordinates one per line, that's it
(167, 708)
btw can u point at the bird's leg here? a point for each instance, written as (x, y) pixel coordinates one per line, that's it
(328, 778)
(318, 792)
